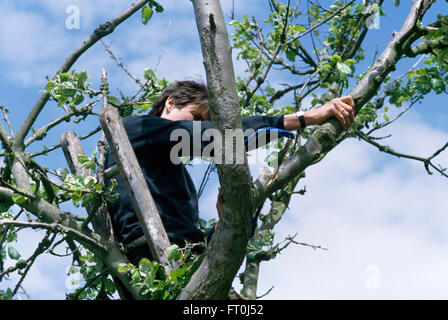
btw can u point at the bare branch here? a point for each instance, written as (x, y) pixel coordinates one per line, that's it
(40, 133)
(426, 161)
(318, 24)
(39, 153)
(427, 46)
(262, 78)
(57, 228)
(4, 137)
(165, 36)
(5, 115)
(42, 246)
(120, 64)
(382, 125)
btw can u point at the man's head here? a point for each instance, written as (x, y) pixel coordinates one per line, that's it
(184, 100)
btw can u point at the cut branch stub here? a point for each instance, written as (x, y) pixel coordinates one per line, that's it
(71, 145)
(138, 190)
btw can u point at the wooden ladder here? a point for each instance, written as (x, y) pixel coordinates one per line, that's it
(129, 169)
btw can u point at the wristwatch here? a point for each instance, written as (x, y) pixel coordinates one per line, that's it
(301, 116)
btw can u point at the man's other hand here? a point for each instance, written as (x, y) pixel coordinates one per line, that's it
(341, 108)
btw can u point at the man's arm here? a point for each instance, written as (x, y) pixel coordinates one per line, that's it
(341, 108)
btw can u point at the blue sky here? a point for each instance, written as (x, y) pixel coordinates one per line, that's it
(383, 219)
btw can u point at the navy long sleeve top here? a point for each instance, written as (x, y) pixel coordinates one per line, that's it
(170, 184)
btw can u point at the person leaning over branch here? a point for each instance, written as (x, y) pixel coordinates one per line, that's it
(179, 107)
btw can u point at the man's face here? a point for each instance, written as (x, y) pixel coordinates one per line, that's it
(185, 113)
(172, 112)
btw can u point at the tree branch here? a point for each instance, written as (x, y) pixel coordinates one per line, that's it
(57, 228)
(328, 135)
(39, 134)
(54, 217)
(120, 64)
(41, 247)
(5, 115)
(426, 161)
(91, 133)
(102, 31)
(427, 46)
(279, 205)
(318, 24)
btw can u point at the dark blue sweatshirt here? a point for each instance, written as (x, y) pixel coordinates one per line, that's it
(170, 184)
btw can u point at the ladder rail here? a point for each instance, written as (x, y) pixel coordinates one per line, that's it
(134, 180)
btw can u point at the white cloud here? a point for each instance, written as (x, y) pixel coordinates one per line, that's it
(24, 49)
(36, 42)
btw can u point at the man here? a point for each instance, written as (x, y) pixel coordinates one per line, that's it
(169, 182)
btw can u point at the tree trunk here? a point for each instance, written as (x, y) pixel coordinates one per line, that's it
(227, 248)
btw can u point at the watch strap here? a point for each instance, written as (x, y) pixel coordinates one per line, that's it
(301, 116)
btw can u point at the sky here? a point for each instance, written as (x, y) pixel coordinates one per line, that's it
(382, 219)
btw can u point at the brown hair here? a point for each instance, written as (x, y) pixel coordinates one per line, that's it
(184, 93)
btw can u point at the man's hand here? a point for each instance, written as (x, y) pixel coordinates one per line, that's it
(341, 108)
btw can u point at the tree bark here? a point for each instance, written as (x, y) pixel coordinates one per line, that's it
(279, 205)
(227, 247)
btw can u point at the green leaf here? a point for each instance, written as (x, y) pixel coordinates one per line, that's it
(436, 83)
(110, 285)
(173, 252)
(146, 14)
(83, 158)
(123, 267)
(145, 265)
(149, 280)
(68, 92)
(402, 99)
(89, 181)
(5, 205)
(50, 86)
(82, 79)
(77, 100)
(135, 276)
(64, 76)
(13, 253)
(113, 100)
(291, 54)
(156, 5)
(344, 68)
(149, 74)
(19, 199)
(251, 256)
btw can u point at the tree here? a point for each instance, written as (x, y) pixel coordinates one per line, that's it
(321, 72)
